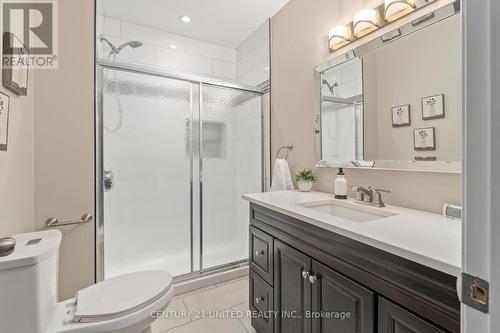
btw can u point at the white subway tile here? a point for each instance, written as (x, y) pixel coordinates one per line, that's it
(111, 27)
(185, 62)
(224, 69)
(144, 54)
(99, 25)
(252, 41)
(244, 66)
(261, 52)
(209, 50)
(151, 36)
(257, 75)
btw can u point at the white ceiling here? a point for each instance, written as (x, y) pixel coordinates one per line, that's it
(223, 22)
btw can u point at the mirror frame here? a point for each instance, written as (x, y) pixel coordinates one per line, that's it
(413, 26)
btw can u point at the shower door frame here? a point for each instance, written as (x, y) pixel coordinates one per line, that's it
(201, 81)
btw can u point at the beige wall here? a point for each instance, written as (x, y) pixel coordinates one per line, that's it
(299, 43)
(17, 166)
(64, 143)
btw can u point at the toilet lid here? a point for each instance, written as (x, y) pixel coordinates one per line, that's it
(121, 295)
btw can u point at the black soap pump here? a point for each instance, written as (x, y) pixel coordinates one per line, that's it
(341, 185)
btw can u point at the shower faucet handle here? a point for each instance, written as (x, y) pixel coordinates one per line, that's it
(108, 180)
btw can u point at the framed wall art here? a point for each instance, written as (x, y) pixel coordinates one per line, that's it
(401, 115)
(4, 120)
(433, 107)
(14, 77)
(424, 138)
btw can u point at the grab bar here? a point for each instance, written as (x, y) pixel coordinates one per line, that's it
(288, 148)
(52, 222)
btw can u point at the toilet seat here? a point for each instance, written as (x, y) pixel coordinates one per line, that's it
(120, 296)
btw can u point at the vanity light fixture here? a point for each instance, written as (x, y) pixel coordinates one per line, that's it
(366, 21)
(395, 9)
(339, 36)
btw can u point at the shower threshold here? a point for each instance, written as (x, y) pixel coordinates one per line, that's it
(210, 277)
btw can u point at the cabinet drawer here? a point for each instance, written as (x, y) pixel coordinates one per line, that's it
(393, 319)
(261, 254)
(261, 302)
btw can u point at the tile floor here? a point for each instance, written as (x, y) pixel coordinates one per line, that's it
(186, 312)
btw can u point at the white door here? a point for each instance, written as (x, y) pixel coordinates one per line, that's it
(481, 240)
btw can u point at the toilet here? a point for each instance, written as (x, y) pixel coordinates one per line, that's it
(28, 294)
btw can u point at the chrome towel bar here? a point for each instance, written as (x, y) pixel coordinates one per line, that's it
(52, 222)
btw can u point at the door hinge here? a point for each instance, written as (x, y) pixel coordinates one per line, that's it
(474, 292)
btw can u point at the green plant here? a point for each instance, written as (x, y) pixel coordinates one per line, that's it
(306, 175)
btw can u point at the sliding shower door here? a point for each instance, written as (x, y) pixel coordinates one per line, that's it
(231, 166)
(146, 180)
(175, 157)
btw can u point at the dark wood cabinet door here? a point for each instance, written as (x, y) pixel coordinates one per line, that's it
(339, 304)
(393, 319)
(292, 292)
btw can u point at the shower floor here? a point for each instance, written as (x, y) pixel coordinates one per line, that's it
(178, 263)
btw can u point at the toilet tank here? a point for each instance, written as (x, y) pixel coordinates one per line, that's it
(28, 282)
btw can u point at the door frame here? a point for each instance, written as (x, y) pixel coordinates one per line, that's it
(481, 179)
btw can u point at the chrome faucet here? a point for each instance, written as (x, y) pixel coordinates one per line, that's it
(362, 192)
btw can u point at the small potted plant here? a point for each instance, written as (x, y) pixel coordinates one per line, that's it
(305, 179)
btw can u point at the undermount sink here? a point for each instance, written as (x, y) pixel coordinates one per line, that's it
(349, 210)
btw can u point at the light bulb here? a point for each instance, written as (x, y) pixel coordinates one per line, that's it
(365, 22)
(395, 9)
(339, 36)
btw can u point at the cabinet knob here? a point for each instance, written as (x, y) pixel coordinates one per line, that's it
(313, 278)
(305, 275)
(259, 299)
(259, 253)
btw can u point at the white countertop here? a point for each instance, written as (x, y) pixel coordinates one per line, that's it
(429, 239)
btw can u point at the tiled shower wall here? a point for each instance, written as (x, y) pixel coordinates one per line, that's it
(252, 68)
(167, 50)
(252, 57)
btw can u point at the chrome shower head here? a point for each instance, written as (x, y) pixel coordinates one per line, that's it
(331, 87)
(116, 50)
(133, 44)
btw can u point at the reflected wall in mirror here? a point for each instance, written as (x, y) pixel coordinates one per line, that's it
(372, 104)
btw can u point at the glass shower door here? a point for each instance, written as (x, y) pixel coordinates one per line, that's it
(231, 165)
(147, 164)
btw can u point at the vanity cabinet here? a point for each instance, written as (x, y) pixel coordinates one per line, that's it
(309, 280)
(393, 319)
(324, 300)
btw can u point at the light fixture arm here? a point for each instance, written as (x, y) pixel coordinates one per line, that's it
(368, 22)
(406, 2)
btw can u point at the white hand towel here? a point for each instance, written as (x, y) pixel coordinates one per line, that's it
(282, 179)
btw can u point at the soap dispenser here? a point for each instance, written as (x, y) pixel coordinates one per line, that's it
(341, 185)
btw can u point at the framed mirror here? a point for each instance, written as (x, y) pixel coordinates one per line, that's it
(396, 102)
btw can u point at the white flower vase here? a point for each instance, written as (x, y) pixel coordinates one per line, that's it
(423, 143)
(304, 186)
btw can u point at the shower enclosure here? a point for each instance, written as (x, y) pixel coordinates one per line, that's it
(175, 153)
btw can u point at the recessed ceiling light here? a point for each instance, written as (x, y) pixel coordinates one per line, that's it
(185, 19)
(173, 46)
